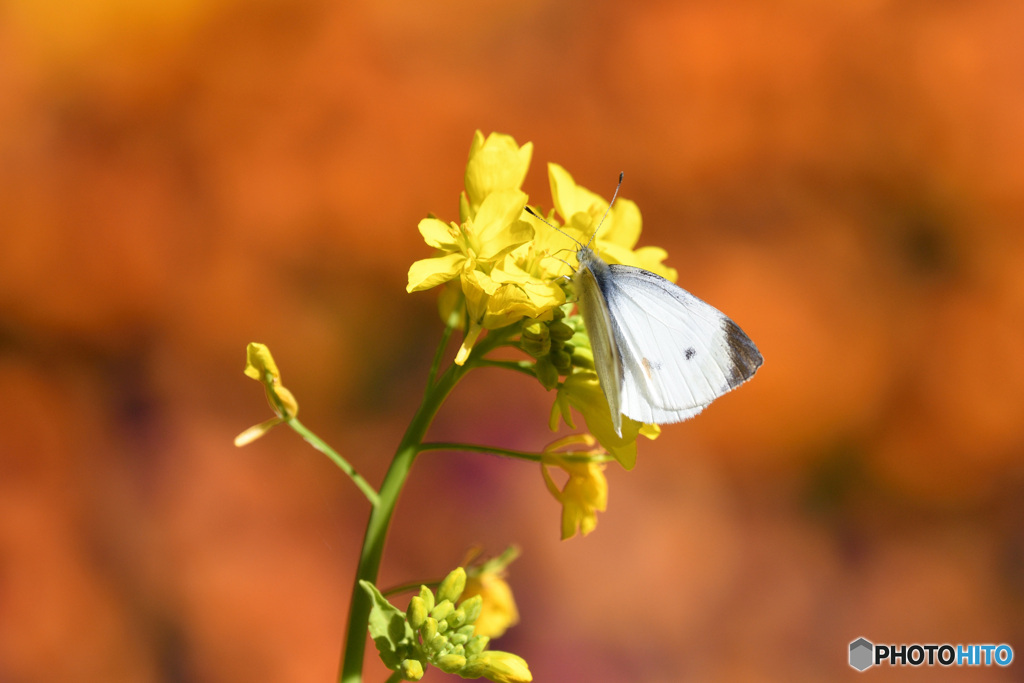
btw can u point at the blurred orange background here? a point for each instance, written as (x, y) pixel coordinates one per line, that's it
(179, 178)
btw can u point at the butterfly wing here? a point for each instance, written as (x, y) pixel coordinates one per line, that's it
(597, 319)
(677, 353)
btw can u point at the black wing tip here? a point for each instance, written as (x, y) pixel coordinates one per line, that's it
(746, 359)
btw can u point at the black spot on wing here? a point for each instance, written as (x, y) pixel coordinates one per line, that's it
(690, 353)
(746, 359)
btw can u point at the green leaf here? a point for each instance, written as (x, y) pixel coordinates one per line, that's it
(391, 634)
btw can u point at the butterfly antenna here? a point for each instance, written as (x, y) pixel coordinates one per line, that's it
(615, 194)
(551, 225)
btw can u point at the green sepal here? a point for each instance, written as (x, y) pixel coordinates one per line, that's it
(391, 633)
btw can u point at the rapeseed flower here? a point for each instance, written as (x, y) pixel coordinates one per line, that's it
(503, 266)
(585, 492)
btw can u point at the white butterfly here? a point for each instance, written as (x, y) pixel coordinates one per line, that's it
(661, 354)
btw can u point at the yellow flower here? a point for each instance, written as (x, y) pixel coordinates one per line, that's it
(489, 252)
(261, 367)
(585, 492)
(498, 612)
(495, 163)
(480, 241)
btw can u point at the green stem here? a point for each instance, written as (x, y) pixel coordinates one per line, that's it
(346, 467)
(380, 515)
(523, 366)
(569, 456)
(453, 320)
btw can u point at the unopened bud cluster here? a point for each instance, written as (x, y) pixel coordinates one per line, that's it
(439, 631)
(446, 630)
(549, 342)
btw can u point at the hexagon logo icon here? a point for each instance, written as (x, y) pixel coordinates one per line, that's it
(861, 651)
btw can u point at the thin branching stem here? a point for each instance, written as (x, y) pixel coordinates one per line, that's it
(569, 456)
(345, 466)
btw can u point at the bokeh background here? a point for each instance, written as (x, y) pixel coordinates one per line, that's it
(179, 178)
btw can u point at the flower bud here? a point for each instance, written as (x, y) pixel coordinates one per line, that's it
(456, 618)
(417, 612)
(412, 670)
(500, 667)
(450, 663)
(535, 330)
(429, 630)
(442, 610)
(477, 644)
(427, 596)
(536, 348)
(471, 607)
(561, 360)
(453, 585)
(546, 372)
(559, 331)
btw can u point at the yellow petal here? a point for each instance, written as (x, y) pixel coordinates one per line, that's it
(583, 496)
(571, 199)
(256, 431)
(495, 163)
(439, 234)
(497, 229)
(622, 227)
(259, 363)
(287, 399)
(583, 392)
(430, 272)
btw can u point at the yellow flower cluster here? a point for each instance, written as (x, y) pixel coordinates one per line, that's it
(487, 251)
(504, 258)
(502, 266)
